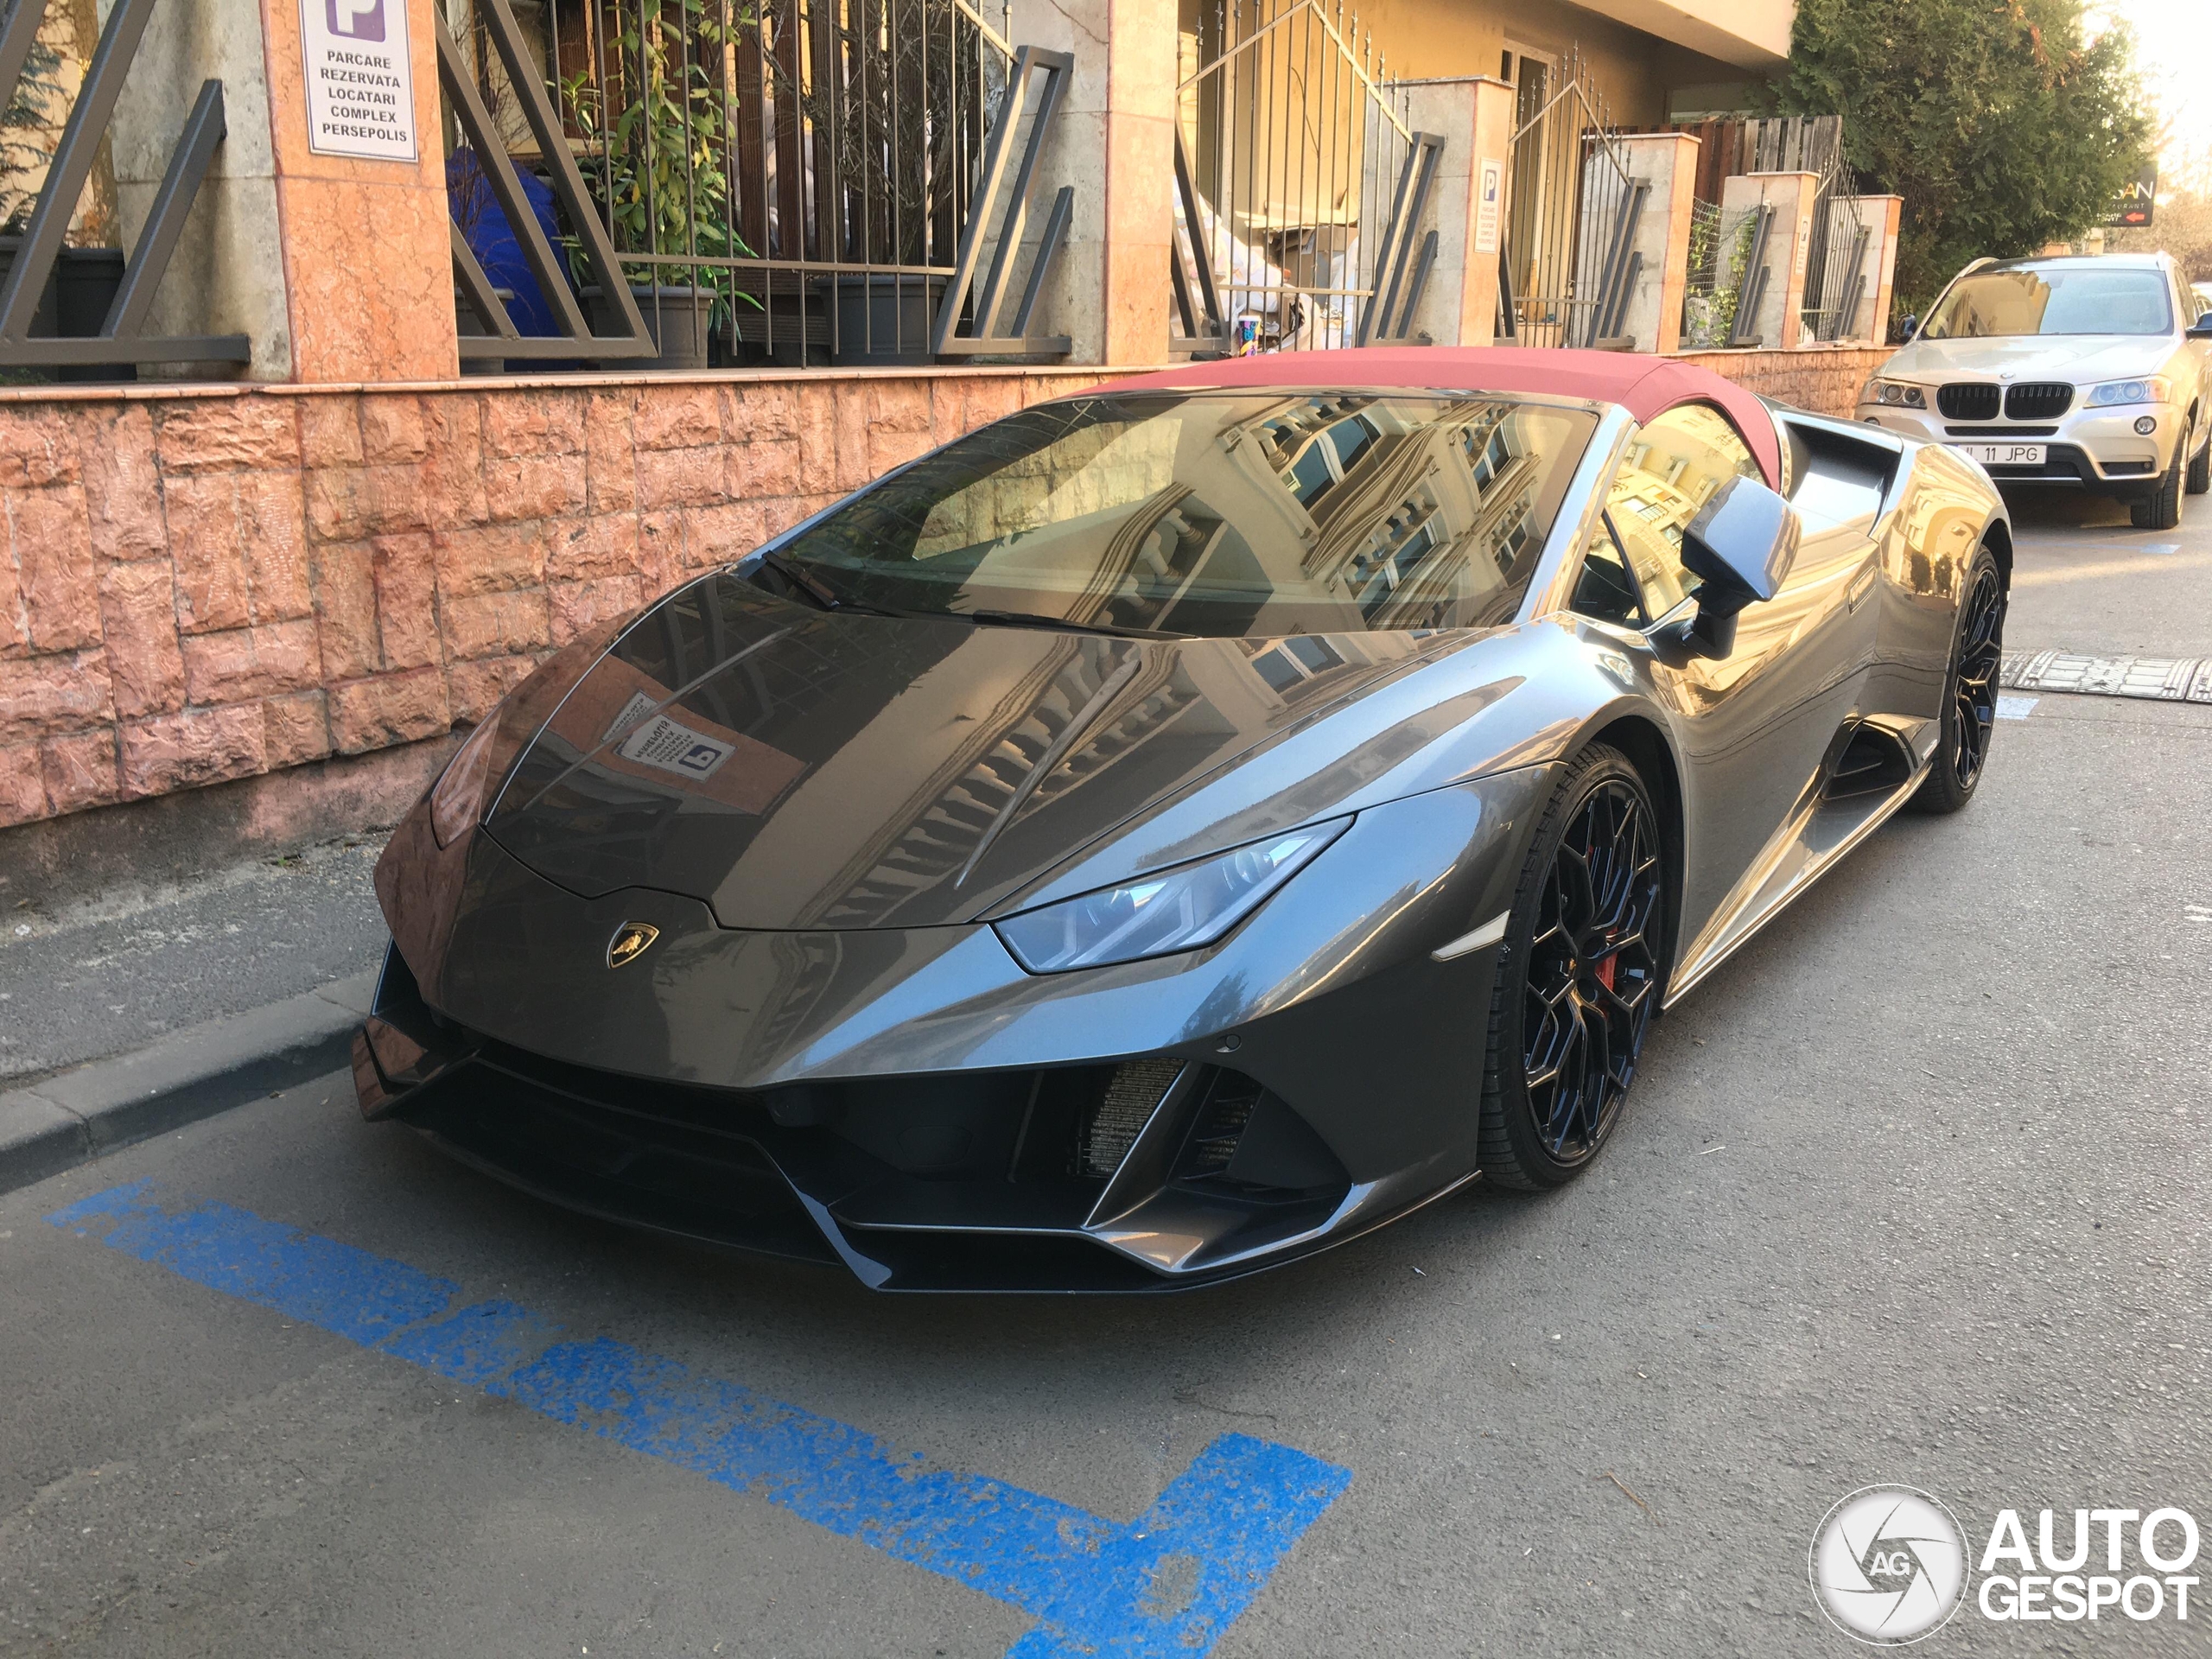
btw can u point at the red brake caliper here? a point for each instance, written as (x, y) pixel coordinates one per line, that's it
(1605, 969)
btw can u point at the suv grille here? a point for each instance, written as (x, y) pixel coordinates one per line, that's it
(2038, 401)
(1969, 401)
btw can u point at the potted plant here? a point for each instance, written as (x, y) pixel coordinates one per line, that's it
(662, 179)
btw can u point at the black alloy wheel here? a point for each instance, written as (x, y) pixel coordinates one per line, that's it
(1970, 706)
(1580, 978)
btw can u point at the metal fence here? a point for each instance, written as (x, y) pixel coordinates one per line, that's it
(1300, 185)
(1566, 269)
(790, 181)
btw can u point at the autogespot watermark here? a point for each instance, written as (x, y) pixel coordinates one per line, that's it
(1890, 1564)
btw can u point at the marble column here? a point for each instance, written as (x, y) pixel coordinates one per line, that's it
(368, 259)
(1779, 318)
(1667, 161)
(1115, 145)
(226, 276)
(1473, 114)
(1880, 215)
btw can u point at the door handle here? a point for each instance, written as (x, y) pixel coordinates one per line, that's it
(1861, 585)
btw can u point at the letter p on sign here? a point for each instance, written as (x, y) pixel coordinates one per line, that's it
(357, 20)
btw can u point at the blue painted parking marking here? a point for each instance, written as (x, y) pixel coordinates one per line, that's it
(1172, 1581)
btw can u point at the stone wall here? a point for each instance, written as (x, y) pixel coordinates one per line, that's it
(211, 584)
(1823, 378)
(204, 584)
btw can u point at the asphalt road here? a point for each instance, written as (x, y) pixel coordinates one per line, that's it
(1911, 1190)
(96, 977)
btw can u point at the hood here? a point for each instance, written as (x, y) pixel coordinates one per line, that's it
(2081, 358)
(798, 770)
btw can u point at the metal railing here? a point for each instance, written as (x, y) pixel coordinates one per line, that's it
(789, 181)
(1302, 184)
(1566, 269)
(32, 307)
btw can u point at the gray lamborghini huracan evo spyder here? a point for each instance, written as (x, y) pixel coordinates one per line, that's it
(1184, 825)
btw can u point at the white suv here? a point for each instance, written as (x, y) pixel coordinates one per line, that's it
(2093, 371)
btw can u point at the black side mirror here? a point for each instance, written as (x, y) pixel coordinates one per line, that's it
(1907, 329)
(1739, 547)
(2204, 329)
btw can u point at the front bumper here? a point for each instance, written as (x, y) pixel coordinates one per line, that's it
(920, 1110)
(2096, 450)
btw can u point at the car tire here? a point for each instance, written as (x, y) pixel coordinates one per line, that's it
(2161, 509)
(1969, 690)
(2200, 469)
(1579, 976)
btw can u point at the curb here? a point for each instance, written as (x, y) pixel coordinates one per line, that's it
(104, 1105)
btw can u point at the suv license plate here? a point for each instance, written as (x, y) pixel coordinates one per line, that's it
(2003, 454)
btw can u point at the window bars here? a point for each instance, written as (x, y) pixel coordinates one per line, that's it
(121, 338)
(1300, 186)
(787, 182)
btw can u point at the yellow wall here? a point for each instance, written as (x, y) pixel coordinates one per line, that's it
(1426, 39)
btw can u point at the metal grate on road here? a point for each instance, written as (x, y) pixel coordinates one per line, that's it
(2164, 679)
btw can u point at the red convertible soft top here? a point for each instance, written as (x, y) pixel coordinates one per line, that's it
(1643, 385)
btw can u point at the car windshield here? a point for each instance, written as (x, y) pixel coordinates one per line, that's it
(1228, 514)
(2084, 299)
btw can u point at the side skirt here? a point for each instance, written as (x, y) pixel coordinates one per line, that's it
(1820, 833)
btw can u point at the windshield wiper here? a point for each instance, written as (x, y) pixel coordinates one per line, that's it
(805, 580)
(820, 591)
(1034, 619)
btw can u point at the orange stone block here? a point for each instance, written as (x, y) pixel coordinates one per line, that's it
(80, 771)
(493, 559)
(249, 663)
(295, 730)
(406, 570)
(677, 417)
(375, 714)
(473, 689)
(763, 411)
(580, 606)
(212, 589)
(52, 544)
(490, 625)
(252, 431)
(766, 468)
(330, 430)
(138, 616)
(38, 449)
(682, 478)
(347, 503)
(532, 486)
(716, 536)
(22, 785)
(273, 537)
(122, 484)
(345, 609)
(533, 422)
(585, 549)
(48, 696)
(187, 750)
(394, 428)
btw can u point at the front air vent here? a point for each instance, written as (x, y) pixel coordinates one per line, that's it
(2038, 400)
(1969, 400)
(1113, 1126)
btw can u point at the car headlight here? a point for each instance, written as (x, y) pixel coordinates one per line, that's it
(2151, 389)
(1157, 915)
(1897, 394)
(457, 800)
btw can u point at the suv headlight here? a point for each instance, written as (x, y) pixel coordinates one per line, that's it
(458, 799)
(1897, 394)
(2151, 389)
(1168, 911)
